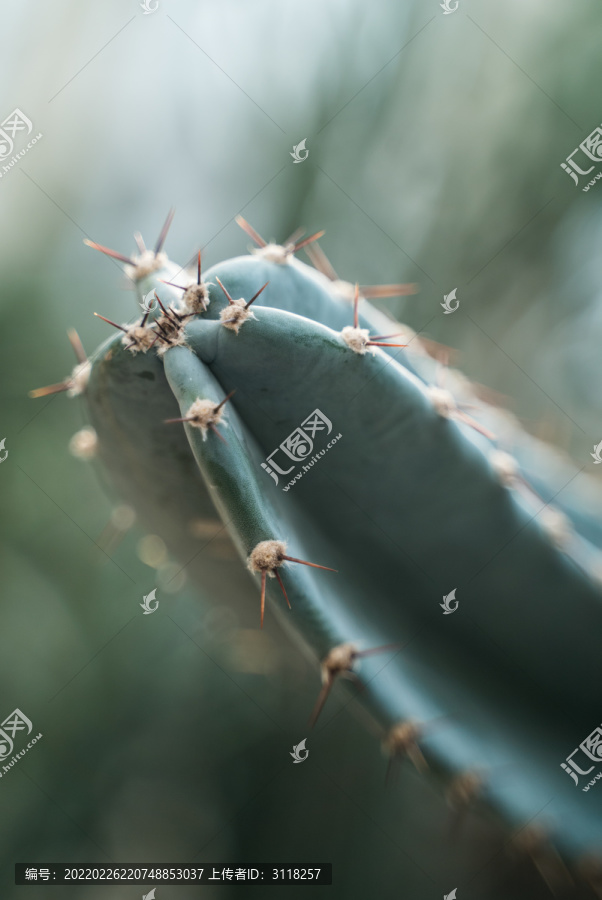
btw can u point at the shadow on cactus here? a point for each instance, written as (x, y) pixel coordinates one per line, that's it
(360, 492)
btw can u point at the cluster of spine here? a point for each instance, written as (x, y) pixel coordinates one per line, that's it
(181, 328)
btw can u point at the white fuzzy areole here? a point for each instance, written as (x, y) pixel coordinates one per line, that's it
(339, 659)
(79, 378)
(464, 788)
(172, 335)
(356, 339)
(266, 556)
(237, 312)
(145, 264)
(175, 340)
(203, 414)
(84, 443)
(140, 336)
(275, 253)
(196, 298)
(505, 467)
(556, 525)
(402, 736)
(442, 400)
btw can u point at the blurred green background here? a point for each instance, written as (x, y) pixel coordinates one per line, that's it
(435, 145)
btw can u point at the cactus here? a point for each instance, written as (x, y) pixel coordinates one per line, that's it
(416, 490)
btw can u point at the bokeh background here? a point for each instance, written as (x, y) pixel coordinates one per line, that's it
(435, 143)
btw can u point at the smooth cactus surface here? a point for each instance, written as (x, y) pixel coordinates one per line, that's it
(412, 487)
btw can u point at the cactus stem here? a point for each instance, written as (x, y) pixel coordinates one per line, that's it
(163, 233)
(242, 223)
(112, 253)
